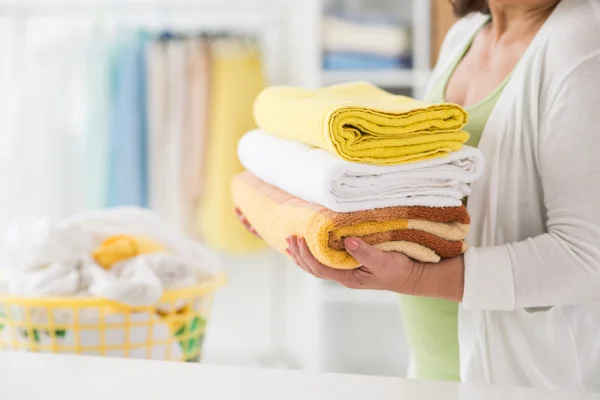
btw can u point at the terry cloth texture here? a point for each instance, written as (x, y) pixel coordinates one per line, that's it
(276, 215)
(319, 177)
(362, 123)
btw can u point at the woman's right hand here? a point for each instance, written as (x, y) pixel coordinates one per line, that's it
(244, 221)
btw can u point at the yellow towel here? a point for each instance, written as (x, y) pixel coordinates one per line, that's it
(236, 80)
(362, 123)
(117, 248)
(423, 233)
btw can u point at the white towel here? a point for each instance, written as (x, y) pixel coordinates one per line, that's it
(319, 177)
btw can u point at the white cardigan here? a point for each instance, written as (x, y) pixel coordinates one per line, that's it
(531, 309)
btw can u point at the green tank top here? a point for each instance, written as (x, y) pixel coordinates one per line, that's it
(431, 325)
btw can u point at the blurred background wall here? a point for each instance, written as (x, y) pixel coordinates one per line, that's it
(99, 98)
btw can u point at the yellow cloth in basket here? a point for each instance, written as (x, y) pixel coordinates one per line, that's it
(362, 123)
(117, 248)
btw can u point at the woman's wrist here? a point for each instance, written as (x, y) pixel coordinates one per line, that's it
(443, 280)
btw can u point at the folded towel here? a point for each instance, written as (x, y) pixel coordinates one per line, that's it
(318, 177)
(342, 34)
(360, 122)
(360, 61)
(424, 233)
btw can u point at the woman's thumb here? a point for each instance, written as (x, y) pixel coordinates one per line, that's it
(362, 252)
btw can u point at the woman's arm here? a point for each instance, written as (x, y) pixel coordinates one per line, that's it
(560, 267)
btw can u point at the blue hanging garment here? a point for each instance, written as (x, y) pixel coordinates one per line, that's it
(128, 162)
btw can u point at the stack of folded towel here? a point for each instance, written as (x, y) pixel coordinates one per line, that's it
(354, 160)
(357, 41)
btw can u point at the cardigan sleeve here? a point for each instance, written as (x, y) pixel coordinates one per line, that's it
(562, 266)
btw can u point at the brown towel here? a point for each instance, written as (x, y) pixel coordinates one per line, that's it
(424, 233)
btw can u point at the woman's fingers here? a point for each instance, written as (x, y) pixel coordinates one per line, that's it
(365, 254)
(246, 223)
(294, 252)
(380, 270)
(344, 277)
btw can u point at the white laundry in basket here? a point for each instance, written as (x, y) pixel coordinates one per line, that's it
(54, 259)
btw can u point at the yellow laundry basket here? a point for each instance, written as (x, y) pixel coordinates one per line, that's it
(172, 330)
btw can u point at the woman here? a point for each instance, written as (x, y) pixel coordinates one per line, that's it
(528, 72)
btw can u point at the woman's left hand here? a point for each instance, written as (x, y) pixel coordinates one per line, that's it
(379, 271)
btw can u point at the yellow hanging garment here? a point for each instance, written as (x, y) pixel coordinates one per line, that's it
(117, 248)
(236, 79)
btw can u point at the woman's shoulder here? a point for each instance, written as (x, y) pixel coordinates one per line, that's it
(573, 35)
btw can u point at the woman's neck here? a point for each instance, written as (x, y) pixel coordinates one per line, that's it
(513, 23)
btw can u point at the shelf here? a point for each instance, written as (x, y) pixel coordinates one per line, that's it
(399, 78)
(336, 294)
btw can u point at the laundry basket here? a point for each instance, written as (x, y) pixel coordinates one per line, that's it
(172, 330)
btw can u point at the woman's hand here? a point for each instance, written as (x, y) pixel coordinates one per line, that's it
(385, 271)
(380, 270)
(244, 221)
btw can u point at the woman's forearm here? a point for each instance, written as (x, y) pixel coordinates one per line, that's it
(444, 280)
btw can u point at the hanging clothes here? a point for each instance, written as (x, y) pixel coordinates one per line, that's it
(128, 166)
(8, 112)
(168, 97)
(95, 148)
(236, 79)
(158, 108)
(199, 83)
(176, 132)
(51, 109)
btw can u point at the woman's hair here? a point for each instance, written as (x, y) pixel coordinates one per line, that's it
(464, 7)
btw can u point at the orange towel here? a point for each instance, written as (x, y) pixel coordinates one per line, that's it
(427, 234)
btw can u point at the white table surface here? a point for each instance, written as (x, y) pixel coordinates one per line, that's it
(37, 376)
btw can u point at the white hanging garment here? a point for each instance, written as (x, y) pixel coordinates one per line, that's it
(158, 108)
(9, 82)
(168, 102)
(50, 122)
(177, 208)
